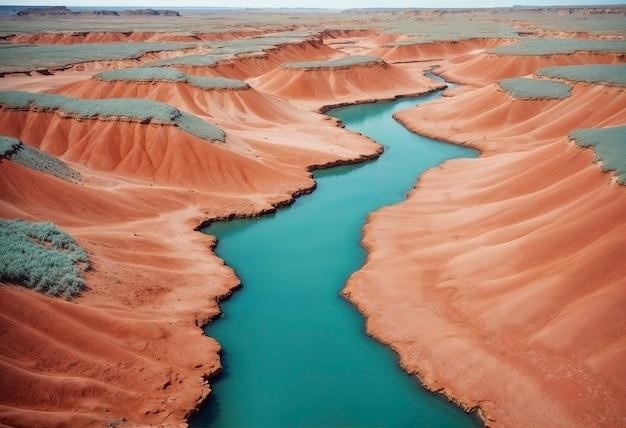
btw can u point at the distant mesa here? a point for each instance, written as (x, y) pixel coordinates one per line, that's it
(151, 12)
(46, 11)
(64, 11)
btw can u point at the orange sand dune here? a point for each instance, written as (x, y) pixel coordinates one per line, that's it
(131, 347)
(159, 153)
(429, 51)
(485, 68)
(256, 124)
(508, 267)
(314, 88)
(251, 65)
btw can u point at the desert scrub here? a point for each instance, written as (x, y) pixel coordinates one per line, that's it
(41, 257)
(17, 57)
(560, 47)
(162, 74)
(345, 62)
(202, 60)
(609, 145)
(535, 89)
(607, 74)
(133, 109)
(25, 155)
(8, 146)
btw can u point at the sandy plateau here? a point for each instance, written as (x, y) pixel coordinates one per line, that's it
(500, 281)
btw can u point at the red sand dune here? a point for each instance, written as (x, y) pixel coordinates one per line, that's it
(256, 124)
(245, 66)
(484, 68)
(509, 267)
(314, 88)
(429, 51)
(158, 153)
(131, 36)
(154, 279)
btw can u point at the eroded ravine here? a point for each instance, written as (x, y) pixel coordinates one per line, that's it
(295, 353)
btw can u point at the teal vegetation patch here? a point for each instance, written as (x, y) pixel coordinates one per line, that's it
(345, 62)
(560, 46)
(8, 146)
(447, 27)
(41, 257)
(203, 60)
(609, 145)
(535, 89)
(161, 74)
(144, 111)
(227, 49)
(605, 74)
(20, 58)
(18, 152)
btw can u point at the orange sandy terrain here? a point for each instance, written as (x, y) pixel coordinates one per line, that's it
(493, 268)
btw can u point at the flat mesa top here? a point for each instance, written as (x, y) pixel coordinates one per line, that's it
(345, 62)
(162, 74)
(605, 74)
(609, 145)
(547, 46)
(535, 89)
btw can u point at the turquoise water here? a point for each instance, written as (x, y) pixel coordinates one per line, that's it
(295, 353)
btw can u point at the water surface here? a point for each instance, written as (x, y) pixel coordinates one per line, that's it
(295, 352)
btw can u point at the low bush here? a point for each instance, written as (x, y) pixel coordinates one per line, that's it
(41, 257)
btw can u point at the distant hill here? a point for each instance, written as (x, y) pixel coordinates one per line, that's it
(64, 11)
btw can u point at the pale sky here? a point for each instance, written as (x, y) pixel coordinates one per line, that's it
(337, 4)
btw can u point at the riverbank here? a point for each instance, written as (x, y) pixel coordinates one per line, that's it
(288, 283)
(510, 270)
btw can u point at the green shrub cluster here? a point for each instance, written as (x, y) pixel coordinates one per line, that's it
(609, 145)
(345, 62)
(205, 60)
(535, 89)
(608, 74)
(41, 257)
(162, 74)
(8, 146)
(20, 57)
(134, 109)
(32, 158)
(541, 46)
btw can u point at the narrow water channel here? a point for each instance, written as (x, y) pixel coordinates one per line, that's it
(295, 352)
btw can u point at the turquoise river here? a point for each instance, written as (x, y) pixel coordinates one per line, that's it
(295, 353)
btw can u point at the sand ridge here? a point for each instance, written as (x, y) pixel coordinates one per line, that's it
(494, 269)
